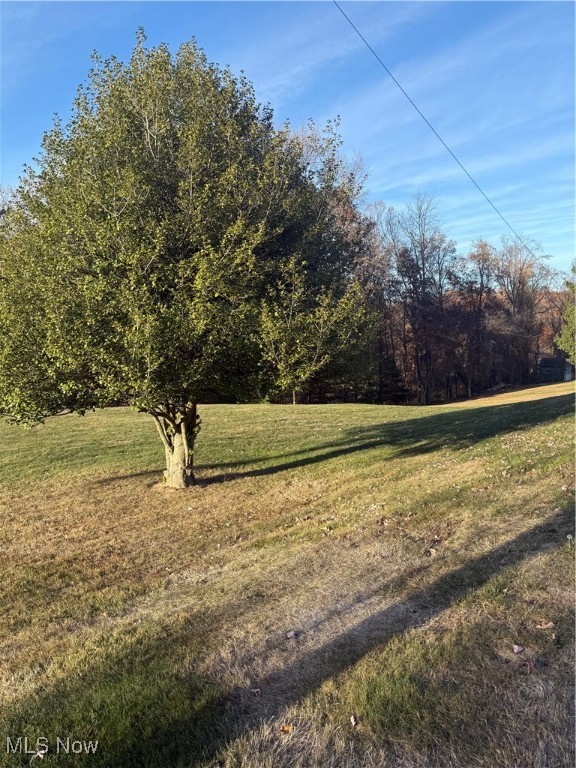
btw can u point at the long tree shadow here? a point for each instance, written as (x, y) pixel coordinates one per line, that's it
(453, 430)
(291, 684)
(180, 719)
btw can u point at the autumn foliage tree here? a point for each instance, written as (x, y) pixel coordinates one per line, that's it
(452, 324)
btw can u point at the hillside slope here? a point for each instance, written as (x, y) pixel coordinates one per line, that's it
(347, 586)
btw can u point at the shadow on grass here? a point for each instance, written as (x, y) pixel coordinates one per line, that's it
(408, 437)
(147, 705)
(289, 685)
(453, 430)
(141, 702)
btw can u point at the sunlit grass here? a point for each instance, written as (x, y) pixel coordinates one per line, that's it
(407, 549)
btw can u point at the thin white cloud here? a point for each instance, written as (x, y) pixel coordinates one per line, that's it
(293, 57)
(510, 124)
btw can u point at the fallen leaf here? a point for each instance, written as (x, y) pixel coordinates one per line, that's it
(549, 625)
(286, 729)
(529, 664)
(292, 634)
(353, 721)
(518, 648)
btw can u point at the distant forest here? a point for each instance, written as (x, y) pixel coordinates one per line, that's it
(443, 325)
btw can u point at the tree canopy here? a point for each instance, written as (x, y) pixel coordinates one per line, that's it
(142, 259)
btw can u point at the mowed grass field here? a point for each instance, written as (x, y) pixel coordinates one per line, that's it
(345, 587)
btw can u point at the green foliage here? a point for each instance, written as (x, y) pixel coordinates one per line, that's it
(302, 331)
(135, 259)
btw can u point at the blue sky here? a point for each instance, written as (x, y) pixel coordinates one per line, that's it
(496, 79)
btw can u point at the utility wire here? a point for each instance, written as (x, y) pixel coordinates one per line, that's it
(434, 131)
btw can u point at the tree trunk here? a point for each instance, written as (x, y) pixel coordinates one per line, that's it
(293, 397)
(179, 467)
(178, 427)
(381, 369)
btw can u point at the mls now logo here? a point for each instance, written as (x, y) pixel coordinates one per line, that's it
(62, 745)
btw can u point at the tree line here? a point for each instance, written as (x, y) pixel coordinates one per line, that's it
(447, 325)
(172, 245)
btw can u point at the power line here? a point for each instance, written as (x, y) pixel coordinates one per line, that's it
(434, 131)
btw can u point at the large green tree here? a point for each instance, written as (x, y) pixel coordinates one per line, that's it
(135, 257)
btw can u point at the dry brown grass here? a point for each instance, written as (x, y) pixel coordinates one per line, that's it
(407, 549)
(520, 395)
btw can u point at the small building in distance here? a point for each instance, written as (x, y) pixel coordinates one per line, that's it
(555, 369)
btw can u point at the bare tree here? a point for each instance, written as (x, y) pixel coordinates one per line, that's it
(521, 275)
(423, 260)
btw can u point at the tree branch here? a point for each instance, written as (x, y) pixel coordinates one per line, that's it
(183, 427)
(162, 432)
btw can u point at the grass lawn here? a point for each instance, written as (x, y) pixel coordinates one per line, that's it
(347, 586)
